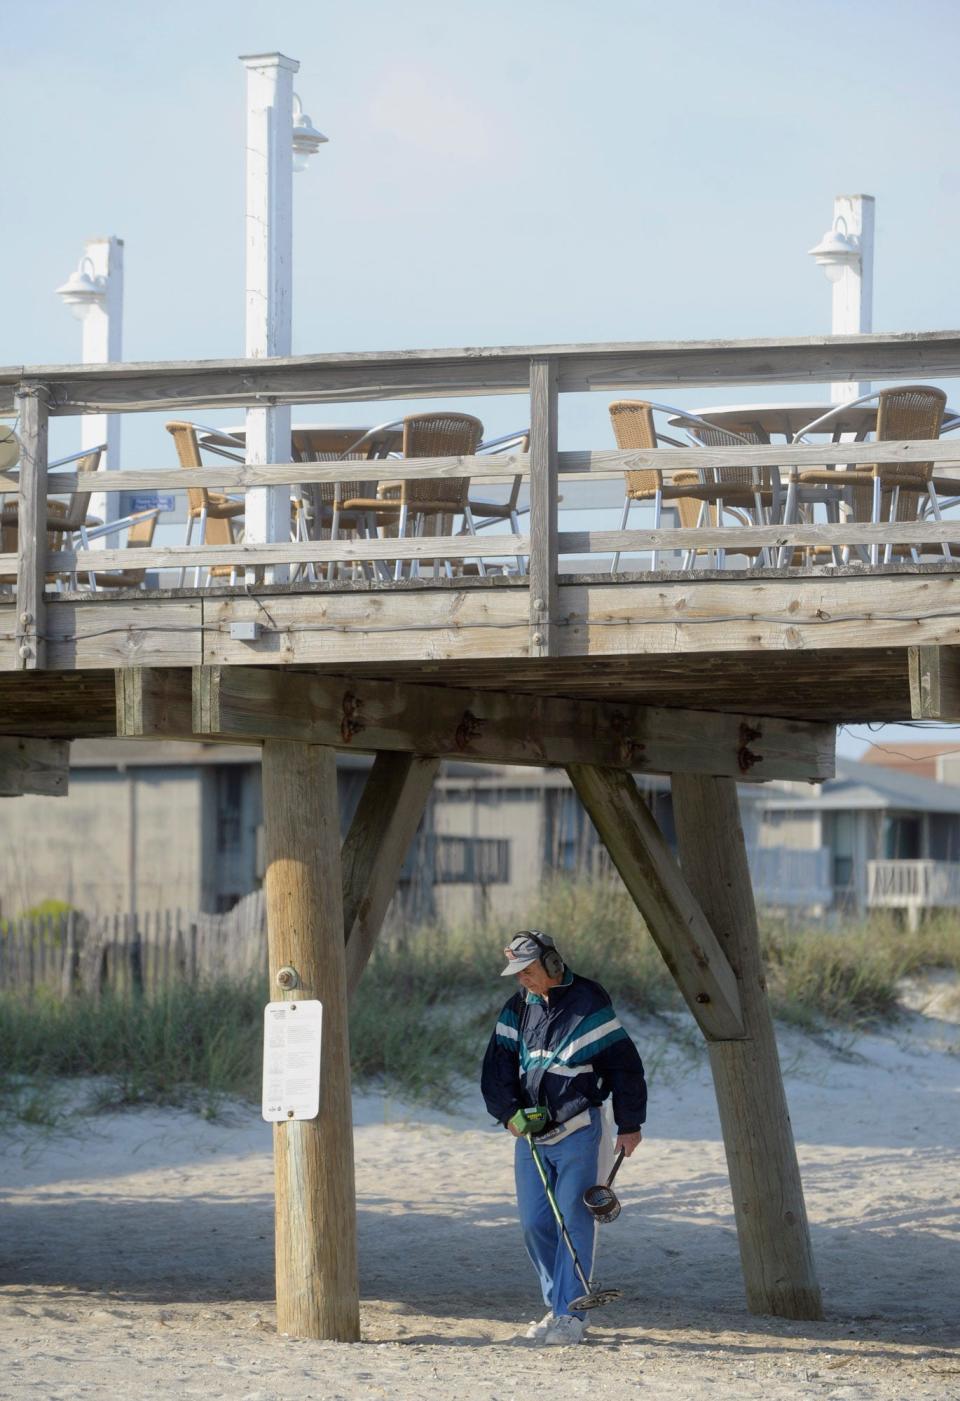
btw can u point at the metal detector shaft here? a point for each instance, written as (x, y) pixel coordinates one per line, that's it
(555, 1208)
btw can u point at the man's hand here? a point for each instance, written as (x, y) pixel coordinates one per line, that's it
(516, 1132)
(628, 1141)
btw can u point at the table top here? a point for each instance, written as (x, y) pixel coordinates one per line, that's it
(785, 419)
(331, 439)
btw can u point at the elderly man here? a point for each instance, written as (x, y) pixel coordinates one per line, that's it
(559, 1044)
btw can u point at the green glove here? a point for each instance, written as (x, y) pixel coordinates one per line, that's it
(530, 1121)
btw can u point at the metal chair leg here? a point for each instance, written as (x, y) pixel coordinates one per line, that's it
(627, 503)
(203, 537)
(935, 507)
(471, 527)
(401, 530)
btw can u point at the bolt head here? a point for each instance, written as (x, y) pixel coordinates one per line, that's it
(26, 619)
(538, 604)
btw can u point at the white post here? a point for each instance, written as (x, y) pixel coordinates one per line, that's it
(853, 289)
(101, 316)
(852, 310)
(269, 247)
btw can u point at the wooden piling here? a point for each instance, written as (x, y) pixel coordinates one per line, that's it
(316, 1243)
(772, 1229)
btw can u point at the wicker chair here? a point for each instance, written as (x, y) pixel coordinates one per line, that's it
(139, 536)
(486, 512)
(431, 502)
(634, 428)
(891, 491)
(319, 508)
(70, 518)
(214, 511)
(56, 538)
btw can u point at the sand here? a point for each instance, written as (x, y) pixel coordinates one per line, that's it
(137, 1249)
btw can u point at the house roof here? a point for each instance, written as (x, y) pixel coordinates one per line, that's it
(860, 785)
(915, 756)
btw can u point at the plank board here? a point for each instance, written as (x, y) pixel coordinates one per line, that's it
(493, 468)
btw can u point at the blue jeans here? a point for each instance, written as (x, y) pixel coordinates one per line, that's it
(571, 1166)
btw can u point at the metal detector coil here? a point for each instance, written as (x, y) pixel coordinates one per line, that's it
(596, 1298)
(601, 1201)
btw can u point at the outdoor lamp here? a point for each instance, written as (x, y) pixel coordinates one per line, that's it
(836, 250)
(306, 139)
(83, 289)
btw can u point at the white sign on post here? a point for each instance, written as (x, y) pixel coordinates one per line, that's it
(291, 1060)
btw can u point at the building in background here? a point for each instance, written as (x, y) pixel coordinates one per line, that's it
(166, 826)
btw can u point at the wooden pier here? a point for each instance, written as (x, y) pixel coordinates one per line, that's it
(711, 675)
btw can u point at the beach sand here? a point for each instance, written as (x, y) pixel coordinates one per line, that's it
(137, 1252)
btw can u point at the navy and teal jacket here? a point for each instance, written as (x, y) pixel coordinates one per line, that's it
(568, 1052)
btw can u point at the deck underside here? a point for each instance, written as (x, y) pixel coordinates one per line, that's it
(828, 646)
(846, 686)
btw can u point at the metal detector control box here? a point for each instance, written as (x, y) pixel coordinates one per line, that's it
(291, 1060)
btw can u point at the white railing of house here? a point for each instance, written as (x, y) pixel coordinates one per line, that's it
(918, 884)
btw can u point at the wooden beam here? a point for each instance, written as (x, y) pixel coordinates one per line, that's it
(31, 558)
(316, 1214)
(369, 376)
(934, 683)
(256, 703)
(651, 874)
(384, 824)
(771, 1217)
(154, 702)
(39, 766)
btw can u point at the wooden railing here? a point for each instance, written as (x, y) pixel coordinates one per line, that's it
(542, 372)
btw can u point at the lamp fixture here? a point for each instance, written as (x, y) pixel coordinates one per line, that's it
(837, 250)
(306, 139)
(83, 289)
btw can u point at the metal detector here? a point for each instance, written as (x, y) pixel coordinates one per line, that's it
(592, 1297)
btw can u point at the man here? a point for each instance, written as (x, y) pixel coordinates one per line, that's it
(558, 1043)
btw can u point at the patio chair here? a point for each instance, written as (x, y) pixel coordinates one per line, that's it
(139, 536)
(203, 506)
(67, 519)
(487, 512)
(10, 539)
(9, 448)
(889, 491)
(634, 428)
(319, 506)
(415, 502)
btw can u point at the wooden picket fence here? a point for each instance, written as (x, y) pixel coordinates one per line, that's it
(144, 953)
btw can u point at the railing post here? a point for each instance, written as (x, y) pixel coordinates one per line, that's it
(32, 527)
(544, 401)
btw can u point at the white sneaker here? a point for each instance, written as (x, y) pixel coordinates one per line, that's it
(565, 1330)
(538, 1331)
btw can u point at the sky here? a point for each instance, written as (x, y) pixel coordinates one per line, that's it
(497, 173)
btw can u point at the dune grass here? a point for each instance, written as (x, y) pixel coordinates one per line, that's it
(425, 1007)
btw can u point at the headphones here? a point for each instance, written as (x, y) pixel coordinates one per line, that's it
(553, 964)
